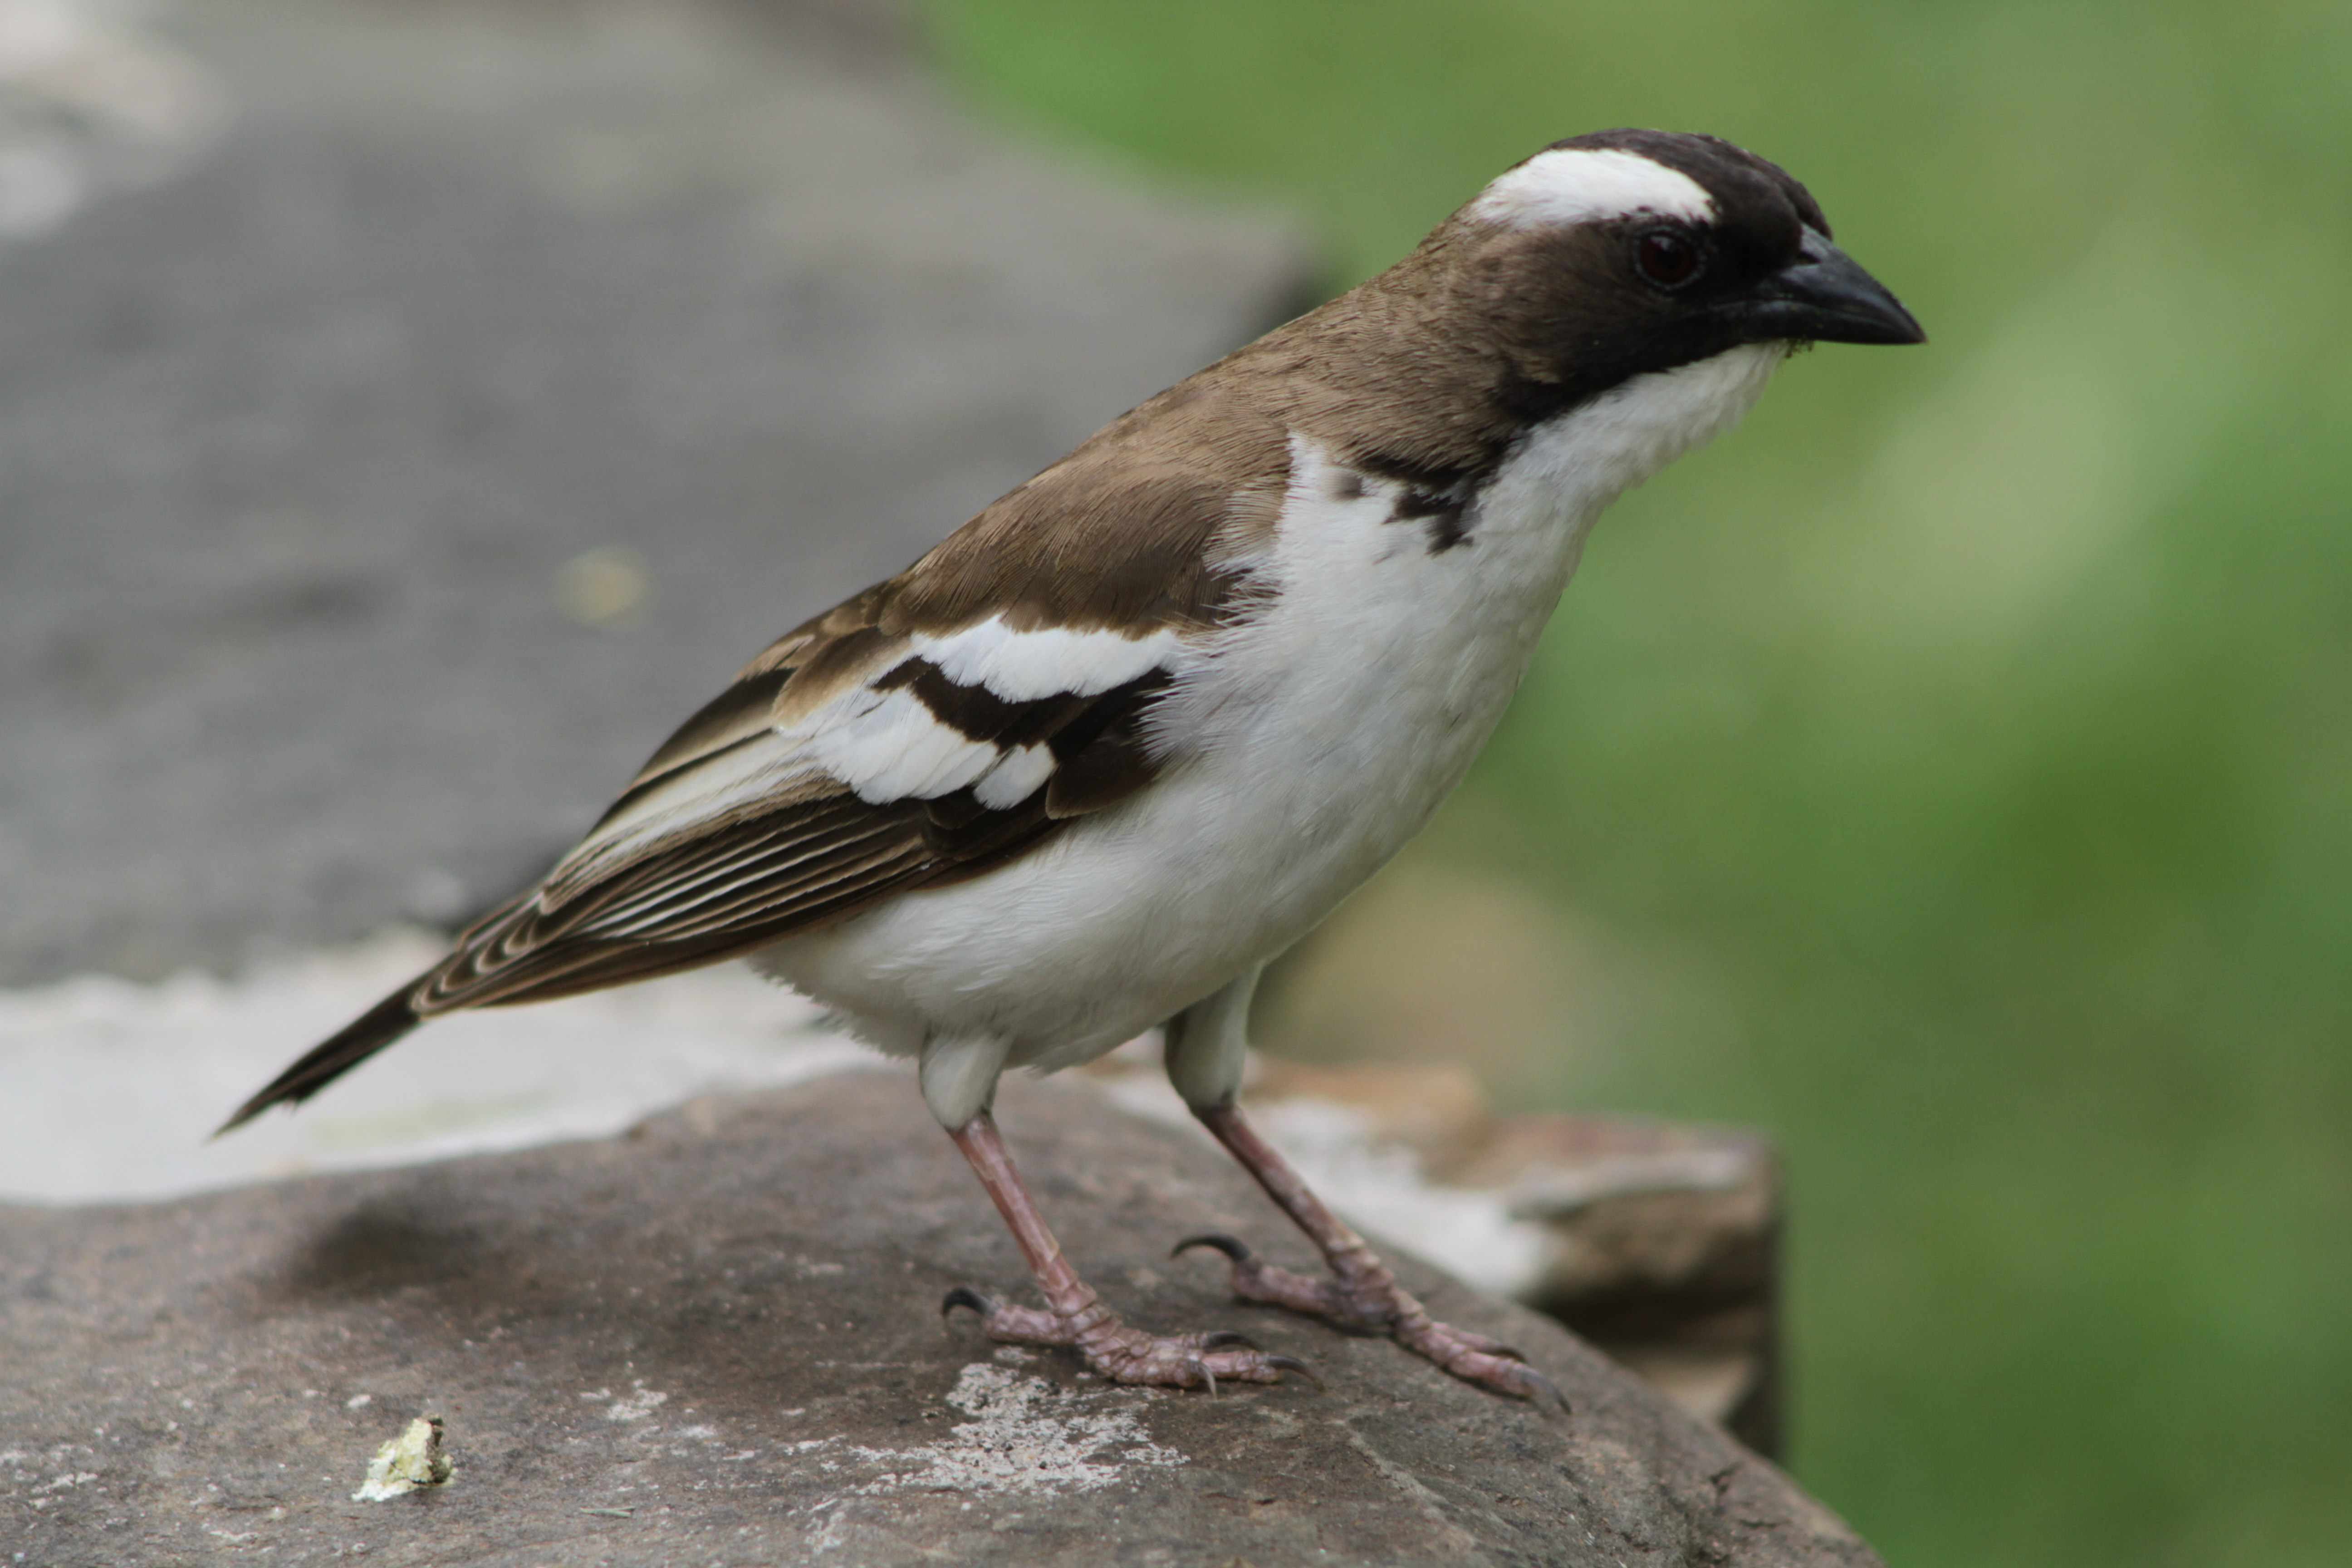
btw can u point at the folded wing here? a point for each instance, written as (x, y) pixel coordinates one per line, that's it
(931, 729)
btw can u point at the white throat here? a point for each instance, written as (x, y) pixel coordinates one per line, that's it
(1569, 469)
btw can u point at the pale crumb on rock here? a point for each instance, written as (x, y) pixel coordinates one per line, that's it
(411, 1460)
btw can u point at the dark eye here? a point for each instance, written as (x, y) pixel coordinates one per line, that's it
(1667, 257)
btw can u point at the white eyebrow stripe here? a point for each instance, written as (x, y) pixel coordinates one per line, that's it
(1054, 662)
(1585, 184)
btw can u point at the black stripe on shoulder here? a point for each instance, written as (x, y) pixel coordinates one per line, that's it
(978, 714)
(1444, 514)
(1437, 493)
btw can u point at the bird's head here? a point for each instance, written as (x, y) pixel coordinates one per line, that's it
(1624, 252)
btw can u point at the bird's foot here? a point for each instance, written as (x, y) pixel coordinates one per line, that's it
(1368, 1299)
(1122, 1354)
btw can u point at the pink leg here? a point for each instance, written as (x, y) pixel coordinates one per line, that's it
(1365, 1293)
(1074, 1315)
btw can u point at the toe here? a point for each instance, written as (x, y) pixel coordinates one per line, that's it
(1538, 1390)
(965, 1296)
(1282, 1363)
(1232, 1246)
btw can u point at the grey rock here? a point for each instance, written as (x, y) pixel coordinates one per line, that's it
(1661, 1240)
(717, 1340)
(299, 436)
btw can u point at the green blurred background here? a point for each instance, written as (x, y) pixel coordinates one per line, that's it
(1948, 771)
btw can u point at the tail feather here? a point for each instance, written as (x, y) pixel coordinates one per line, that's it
(354, 1043)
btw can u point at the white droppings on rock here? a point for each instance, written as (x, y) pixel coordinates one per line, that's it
(1024, 1435)
(636, 1406)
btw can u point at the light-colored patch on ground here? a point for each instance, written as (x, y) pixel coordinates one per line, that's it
(114, 1085)
(1024, 1435)
(92, 103)
(636, 1406)
(22, 1478)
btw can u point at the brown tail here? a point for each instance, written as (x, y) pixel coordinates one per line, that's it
(354, 1043)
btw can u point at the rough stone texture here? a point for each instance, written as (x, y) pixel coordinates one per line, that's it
(1665, 1252)
(297, 438)
(1661, 1240)
(716, 1341)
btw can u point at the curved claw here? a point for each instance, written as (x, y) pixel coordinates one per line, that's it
(1541, 1391)
(1292, 1364)
(1216, 1338)
(1232, 1246)
(965, 1296)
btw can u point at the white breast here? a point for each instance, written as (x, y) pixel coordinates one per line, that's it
(1314, 739)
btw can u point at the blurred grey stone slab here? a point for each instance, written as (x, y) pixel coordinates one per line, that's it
(298, 436)
(717, 1340)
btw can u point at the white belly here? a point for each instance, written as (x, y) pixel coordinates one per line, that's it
(1315, 737)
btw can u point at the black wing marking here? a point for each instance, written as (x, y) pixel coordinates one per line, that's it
(707, 893)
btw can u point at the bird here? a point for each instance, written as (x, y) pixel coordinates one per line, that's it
(1134, 728)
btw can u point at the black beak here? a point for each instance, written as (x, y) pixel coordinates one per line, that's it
(1824, 297)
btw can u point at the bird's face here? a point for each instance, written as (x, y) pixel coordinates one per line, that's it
(1628, 252)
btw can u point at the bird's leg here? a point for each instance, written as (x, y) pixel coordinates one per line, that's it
(1206, 1044)
(1074, 1315)
(1364, 1292)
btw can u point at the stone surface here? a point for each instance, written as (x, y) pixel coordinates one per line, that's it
(430, 406)
(717, 1340)
(114, 1087)
(1664, 1251)
(1657, 1241)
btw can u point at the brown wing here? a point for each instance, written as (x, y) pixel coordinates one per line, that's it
(704, 886)
(731, 880)
(756, 820)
